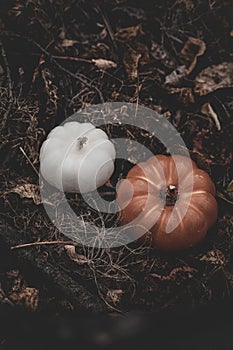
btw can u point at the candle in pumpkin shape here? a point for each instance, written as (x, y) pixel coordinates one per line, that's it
(156, 195)
(77, 157)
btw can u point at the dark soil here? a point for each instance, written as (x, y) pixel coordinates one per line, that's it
(46, 74)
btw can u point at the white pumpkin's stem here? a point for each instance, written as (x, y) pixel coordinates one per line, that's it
(82, 141)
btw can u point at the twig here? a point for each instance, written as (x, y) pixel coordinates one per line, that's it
(9, 81)
(108, 27)
(70, 58)
(40, 243)
(8, 73)
(30, 162)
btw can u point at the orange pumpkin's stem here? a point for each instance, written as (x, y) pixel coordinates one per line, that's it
(169, 195)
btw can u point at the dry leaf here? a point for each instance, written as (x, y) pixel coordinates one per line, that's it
(184, 94)
(114, 295)
(176, 76)
(214, 257)
(126, 34)
(78, 258)
(28, 297)
(213, 78)
(27, 190)
(142, 49)
(104, 64)
(68, 43)
(130, 60)
(193, 48)
(208, 110)
(159, 53)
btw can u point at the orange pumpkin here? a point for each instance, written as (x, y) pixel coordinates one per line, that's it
(171, 198)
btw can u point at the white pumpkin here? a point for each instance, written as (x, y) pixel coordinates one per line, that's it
(77, 157)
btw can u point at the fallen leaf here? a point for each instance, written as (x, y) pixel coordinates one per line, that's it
(142, 48)
(104, 64)
(208, 110)
(130, 60)
(27, 190)
(176, 76)
(78, 258)
(213, 78)
(214, 257)
(184, 94)
(193, 48)
(184, 271)
(28, 297)
(114, 295)
(68, 43)
(160, 54)
(126, 34)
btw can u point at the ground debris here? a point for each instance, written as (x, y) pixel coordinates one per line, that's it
(176, 76)
(114, 296)
(207, 109)
(184, 271)
(127, 34)
(104, 64)
(26, 190)
(193, 48)
(28, 297)
(78, 258)
(160, 54)
(131, 59)
(213, 78)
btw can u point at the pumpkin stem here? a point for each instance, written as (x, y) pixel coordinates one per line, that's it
(170, 195)
(81, 142)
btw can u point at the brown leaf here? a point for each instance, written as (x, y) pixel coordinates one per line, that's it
(160, 54)
(184, 94)
(104, 64)
(193, 48)
(68, 43)
(130, 60)
(176, 76)
(126, 34)
(186, 271)
(78, 258)
(28, 297)
(142, 49)
(114, 295)
(213, 78)
(27, 190)
(214, 257)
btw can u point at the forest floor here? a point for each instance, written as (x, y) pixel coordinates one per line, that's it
(57, 57)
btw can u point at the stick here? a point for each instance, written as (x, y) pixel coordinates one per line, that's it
(40, 243)
(30, 162)
(9, 81)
